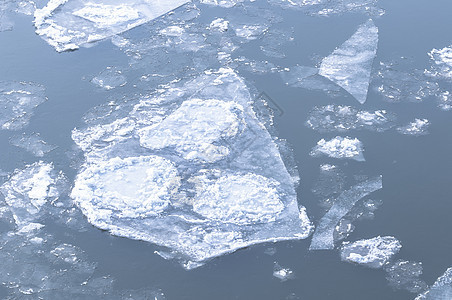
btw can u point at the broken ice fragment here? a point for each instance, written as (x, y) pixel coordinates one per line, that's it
(372, 253)
(441, 289)
(323, 237)
(69, 24)
(417, 127)
(109, 79)
(17, 101)
(442, 59)
(339, 147)
(350, 65)
(343, 118)
(28, 190)
(281, 273)
(405, 275)
(32, 143)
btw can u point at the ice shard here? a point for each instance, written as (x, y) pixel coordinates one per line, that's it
(323, 236)
(190, 168)
(350, 65)
(69, 24)
(441, 289)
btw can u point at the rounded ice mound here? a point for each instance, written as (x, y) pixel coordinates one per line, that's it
(372, 253)
(240, 199)
(194, 127)
(125, 188)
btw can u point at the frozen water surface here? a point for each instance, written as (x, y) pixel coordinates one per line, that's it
(198, 173)
(350, 65)
(67, 25)
(441, 289)
(17, 101)
(340, 147)
(323, 238)
(372, 253)
(32, 143)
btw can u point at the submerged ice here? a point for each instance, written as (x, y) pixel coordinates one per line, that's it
(350, 65)
(67, 25)
(190, 168)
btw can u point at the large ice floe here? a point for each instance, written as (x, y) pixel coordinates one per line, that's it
(441, 289)
(69, 24)
(190, 168)
(372, 253)
(323, 238)
(350, 65)
(17, 101)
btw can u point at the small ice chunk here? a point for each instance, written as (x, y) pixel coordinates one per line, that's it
(340, 147)
(28, 190)
(442, 59)
(344, 118)
(69, 24)
(281, 273)
(32, 143)
(17, 101)
(441, 289)
(194, 127)
(372, 253)
(350, 65)
(323, 238)
(417, 127)
(5, 23)
(405, 275)
(109, 79)
(445, 100)
(249, 31)
(134, 187)
(219, 24)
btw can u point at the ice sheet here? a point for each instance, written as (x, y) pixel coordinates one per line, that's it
(350, 65)
(323, 238)
(339, 147)
(343, 118)
(372, 253)
(441, 289)
(69, 24)
(178, 192)
(17, 101)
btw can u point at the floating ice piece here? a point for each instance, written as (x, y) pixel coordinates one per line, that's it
(372, 253)
(219, 24)
(308, 78)
(441, 289)
(5, 23)
(194, 127)
(17, 101)
(445, 100)
(442, 59)
(109, 79)
(344, 118)
(323, 238)
(222, 3)
(396, 84)
(350, 65)
(69, 24)
(405, 275)
(32, 143)
(339, 147)
(417, 127)
(28, 190)
(150, 173)
(281, 273)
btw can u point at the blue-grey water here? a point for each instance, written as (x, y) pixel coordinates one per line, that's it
(416, 170)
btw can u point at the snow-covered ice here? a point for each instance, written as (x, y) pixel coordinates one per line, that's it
(32, 143)
(69, 24)
(417, 127)
(372, 253)
(340, 147)
(350, 65)
(323, 238)
(189, 167)
(17, 101)
(343, 118)
(441, 289)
